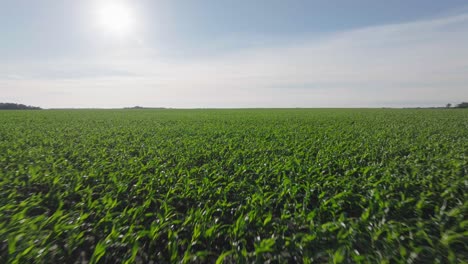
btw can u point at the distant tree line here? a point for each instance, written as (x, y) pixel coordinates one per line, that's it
(13, 106)
(462, 105)
(142, 107)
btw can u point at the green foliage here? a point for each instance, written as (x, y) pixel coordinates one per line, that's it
(13, 106)
(462, 105)
(234, 186)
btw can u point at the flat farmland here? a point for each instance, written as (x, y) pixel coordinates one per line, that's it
(234, 186)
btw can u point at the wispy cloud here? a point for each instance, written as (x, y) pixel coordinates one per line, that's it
(417, 63)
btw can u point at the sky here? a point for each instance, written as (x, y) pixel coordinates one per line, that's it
(233, 54)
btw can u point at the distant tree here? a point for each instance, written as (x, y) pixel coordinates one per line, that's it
(13, 106)
(448, 105)
(462, 105)
(134, 107)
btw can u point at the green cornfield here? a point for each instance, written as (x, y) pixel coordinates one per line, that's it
(234, 186)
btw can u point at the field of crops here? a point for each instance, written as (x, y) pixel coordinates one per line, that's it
(234, 186)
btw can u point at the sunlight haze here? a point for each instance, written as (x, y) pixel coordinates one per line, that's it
(115, 16)
(229, 54)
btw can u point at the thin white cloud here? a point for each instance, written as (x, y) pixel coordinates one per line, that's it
(408, 64)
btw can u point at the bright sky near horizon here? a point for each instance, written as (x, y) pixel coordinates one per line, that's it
(244, 53)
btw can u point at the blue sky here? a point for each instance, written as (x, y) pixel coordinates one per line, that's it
(260, 53)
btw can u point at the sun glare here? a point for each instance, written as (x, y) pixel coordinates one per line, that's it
(116, 17)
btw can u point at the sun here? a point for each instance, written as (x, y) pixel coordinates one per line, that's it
(115, 17)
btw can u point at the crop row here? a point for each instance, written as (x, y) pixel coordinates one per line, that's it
(297, 185)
